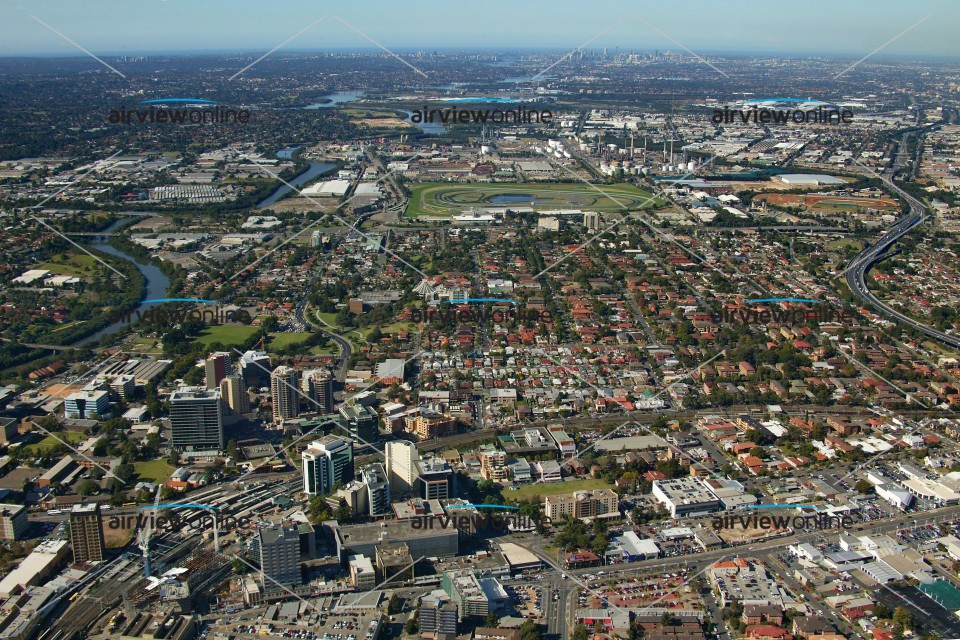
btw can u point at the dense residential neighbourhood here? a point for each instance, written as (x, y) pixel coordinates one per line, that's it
(481, 342)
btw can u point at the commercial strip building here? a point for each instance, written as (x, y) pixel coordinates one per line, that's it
(629, 547)
(35, 568)
(686, 497)
(430, 542)
(747, 581)
(474, 595)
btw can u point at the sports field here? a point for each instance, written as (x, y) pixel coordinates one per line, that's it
(442, 200)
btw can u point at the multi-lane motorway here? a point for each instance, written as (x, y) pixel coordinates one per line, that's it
(856, 272)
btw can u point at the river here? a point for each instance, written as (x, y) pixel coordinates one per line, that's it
(156, 281)
(315, 170)
(430, 128)
(336, 98)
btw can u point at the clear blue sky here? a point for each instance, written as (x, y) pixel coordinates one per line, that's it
(852, 27)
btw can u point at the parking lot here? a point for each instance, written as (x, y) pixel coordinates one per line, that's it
(932, 618)
(528, 600)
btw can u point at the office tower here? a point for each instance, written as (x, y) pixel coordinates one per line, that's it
(233, 391)
(319, 387)
(196, 422)
(278, 548)
(86, 533)
(362, 423)
(401, 470)
(328, 462)
(434, 479)
(378, 489)
(285, 393)
(92, 404)
(591, 220)
(13, 521)
(123, 386)
(255, 368)
(217, 366)
(437, 614)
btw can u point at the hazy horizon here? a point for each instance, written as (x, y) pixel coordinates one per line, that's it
(168, 27)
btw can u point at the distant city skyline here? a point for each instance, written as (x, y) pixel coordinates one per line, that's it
(141, 27)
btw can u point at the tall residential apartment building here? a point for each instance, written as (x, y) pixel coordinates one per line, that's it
(233, 391)
(437, 614)
(196, 419)
(326, 463)
(493, 465)
(278, 548)
(401, 457)
(582, 504)
(285, 392)
(13, 521)
(378, 489)
(86, 533)
(217, 366)
(318, 385)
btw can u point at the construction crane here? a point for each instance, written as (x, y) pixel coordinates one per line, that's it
(143, 537)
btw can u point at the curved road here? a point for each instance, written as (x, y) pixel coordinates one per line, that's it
(346, 349)
(860, 266)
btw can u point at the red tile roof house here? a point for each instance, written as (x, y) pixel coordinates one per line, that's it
(767, 632)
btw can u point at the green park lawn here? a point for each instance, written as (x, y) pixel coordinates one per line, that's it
(228, 334)
(153, 470)
(554, 488)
